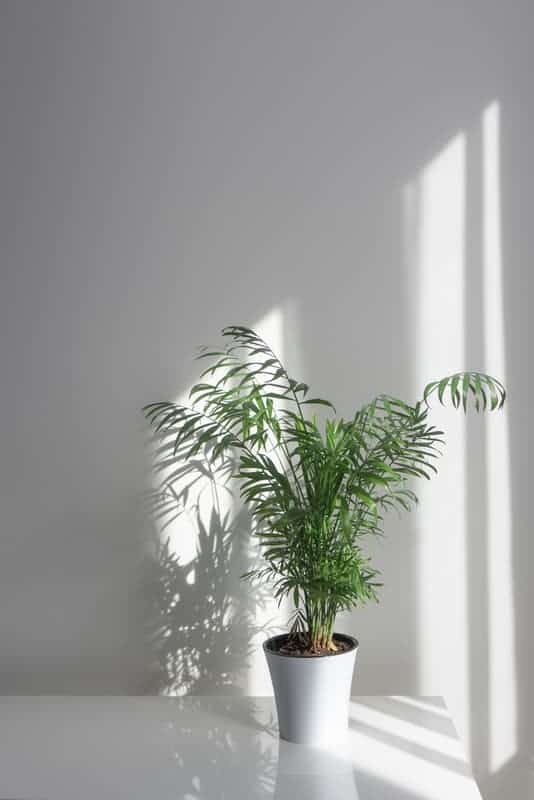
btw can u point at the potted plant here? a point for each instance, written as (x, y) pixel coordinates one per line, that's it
(316, 490)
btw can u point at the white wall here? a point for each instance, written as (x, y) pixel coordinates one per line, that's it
(168, 168)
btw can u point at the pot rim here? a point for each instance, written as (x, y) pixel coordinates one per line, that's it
(344, 636)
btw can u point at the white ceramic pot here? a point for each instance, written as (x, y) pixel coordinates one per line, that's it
(312, 694)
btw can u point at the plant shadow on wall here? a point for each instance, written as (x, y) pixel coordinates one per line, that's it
(201, 624)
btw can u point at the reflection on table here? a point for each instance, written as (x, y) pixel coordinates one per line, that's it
(216, 748)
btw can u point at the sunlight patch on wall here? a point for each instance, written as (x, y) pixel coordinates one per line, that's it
(205, 493)
(211, 625)
(200, 628)
(502, 677)
(275, 329)
(434, 208)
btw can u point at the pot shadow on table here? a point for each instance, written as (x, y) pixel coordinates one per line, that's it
(202, 618)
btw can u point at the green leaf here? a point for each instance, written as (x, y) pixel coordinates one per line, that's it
(465, 390)
(455, 394)
(317, 401)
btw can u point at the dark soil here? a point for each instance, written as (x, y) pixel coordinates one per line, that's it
(298, 645)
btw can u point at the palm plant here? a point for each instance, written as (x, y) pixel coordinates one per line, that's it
(316, 489)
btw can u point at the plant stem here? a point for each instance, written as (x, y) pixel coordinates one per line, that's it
(320, 616)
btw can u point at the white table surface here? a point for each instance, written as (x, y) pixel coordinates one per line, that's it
(221, 748)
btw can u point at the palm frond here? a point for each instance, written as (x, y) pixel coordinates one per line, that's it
(315, 490)
(462, 387)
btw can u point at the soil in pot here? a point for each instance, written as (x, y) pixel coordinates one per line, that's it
(298, 645)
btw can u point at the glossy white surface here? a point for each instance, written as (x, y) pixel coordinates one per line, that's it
(215, 748)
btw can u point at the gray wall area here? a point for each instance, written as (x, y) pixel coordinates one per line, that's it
(356, 180)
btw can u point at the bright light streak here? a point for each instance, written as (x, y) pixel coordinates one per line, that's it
(271, 328)
(418, 734)
(502, 677)
(433, 705)
(419, 768)
(435, 211)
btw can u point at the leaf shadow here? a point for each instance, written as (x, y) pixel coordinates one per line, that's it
(202, 619)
